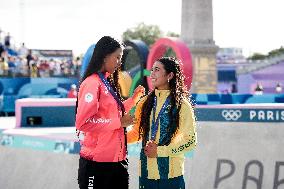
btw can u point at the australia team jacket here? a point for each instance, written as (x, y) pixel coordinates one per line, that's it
(98, 118)
(169, 162)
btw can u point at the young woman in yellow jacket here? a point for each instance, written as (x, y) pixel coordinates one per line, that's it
(166, 125)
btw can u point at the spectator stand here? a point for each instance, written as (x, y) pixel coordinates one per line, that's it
(208, 99)
(18, 88)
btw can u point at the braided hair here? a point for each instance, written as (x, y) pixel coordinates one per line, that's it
(178, 91)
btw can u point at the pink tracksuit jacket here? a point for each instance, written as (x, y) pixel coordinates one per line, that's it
(98, 117)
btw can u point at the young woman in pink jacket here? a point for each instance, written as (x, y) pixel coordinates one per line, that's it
(102, 118)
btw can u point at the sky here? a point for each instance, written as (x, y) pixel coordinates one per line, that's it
(253, 25)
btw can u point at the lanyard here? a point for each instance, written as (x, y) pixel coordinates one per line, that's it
(118, 101)
(110, 89)
(155, 122)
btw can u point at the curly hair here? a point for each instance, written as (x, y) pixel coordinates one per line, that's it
(178, 91)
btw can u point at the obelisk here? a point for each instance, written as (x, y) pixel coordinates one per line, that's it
(197, 33)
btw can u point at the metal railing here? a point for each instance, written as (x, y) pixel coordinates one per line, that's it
(259, 64)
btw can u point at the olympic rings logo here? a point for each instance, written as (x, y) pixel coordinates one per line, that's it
(182, 52)
(231, 115)
(148, 57)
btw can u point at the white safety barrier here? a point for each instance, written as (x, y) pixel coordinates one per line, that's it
(237, 155)
(229, 155)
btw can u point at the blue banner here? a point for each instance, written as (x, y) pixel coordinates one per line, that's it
(240, 114)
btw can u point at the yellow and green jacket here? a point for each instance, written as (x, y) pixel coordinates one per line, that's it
(170, 160)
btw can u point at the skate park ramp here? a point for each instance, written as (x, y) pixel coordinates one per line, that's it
(237, 155)
(30, 169)
(242, 150)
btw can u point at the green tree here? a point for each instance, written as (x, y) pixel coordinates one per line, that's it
(275, 52)
(146, 33)
(281, 50)
(257, 56)
(172, 34)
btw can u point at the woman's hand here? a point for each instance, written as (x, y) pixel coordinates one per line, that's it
(150, 149)
(138, 93)
(127, 120)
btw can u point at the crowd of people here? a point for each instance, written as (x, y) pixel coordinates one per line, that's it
(21, 62)
(259, 89)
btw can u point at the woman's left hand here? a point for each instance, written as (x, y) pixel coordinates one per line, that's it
(127, 120)
(138, 93)
(150, 149)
